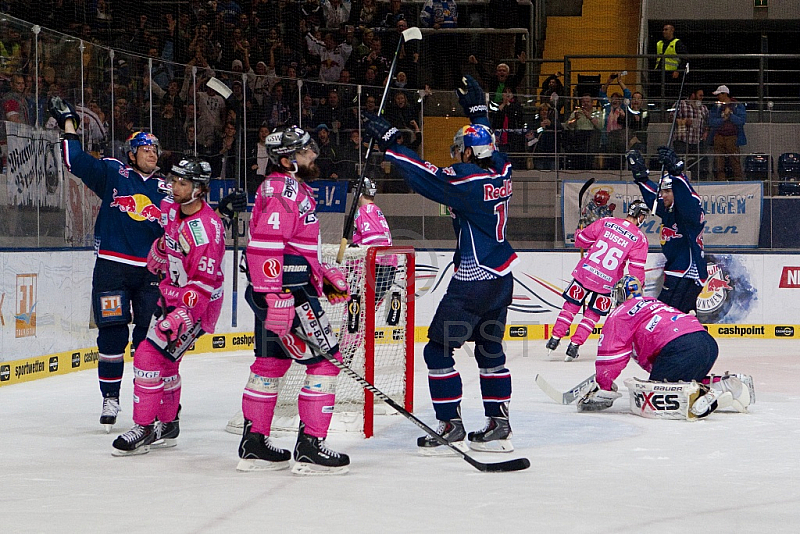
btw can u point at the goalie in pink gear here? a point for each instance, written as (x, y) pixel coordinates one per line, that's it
(286, 281)
(190, 256)
(611, 244)
(370, 228)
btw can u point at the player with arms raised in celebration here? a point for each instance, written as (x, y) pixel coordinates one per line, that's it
(286, 281)
(190, 255)
(682, 222)
(612, 243)
(123, 290)
(478, 191)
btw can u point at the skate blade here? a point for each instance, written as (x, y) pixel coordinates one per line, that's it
(144, 449)
(247, 465)
(441, 450)
(307, 469)
(165, 443)
(570, 358)
(107, 427)
(496, 445)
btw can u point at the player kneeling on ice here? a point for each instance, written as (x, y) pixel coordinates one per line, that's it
(478, 190)
(286, 281)
(611, 244)
(672, 346)
(190, 256)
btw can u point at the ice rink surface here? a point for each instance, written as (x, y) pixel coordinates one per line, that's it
(609, 472)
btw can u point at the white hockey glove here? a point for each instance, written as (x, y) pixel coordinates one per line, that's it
(598, 399)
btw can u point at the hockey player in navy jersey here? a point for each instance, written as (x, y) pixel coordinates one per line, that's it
(682, 222)
(477, 189)
(123, 290)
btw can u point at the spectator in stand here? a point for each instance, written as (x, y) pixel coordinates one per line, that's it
(613, 140)
(443, 15)
(258, 162)
(308, 112)
(336, 13)
(691, 132)
(278, 112)
(371, 85)
(672, 49)
(329, 157)
(170, 126)
(507, 122)
(375, 60)
(397, 10)
(210, 113)
(223, 163)
(334, 114)
(727, 119)
(353, 154)
(332, 56)
(12, 49)
(365, 14)
(638, 118)
(502, 77)
(542, 137)
(172, 95)
(403, 115)
(584, 125)
(553, 93)
(15, 106)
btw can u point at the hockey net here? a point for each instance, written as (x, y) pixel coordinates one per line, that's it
(376, 341)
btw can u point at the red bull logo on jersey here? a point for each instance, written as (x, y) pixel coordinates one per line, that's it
(491, 192)
(139, 207)
(668, 233)
(715, 291)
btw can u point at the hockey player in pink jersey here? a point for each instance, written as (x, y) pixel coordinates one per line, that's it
(190, 255)
(669, 344)
(286, 281)
(371, 228)
(611, 244)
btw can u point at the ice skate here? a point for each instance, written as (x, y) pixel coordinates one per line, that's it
(495, 436)
(313, 457)
(167, 433)
(108, 417)
(135, 441)
(552, 344)
(258, 453)
(452, 431)
(572, 352)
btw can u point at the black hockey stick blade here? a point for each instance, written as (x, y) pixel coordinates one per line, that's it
(582, 192)
(517, 464)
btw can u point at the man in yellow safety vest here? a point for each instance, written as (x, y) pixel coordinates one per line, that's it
(672, 49)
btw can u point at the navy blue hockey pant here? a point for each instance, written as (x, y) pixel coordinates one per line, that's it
(686, 358)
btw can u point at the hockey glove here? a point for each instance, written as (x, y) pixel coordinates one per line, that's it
(637, 166)
(668, 158)
(235, 202)
(280, 313)
(380, 130)
(472, 98)
(598, 399)
(157, 259)
(62, 112)
(334, 285)
(174, 325)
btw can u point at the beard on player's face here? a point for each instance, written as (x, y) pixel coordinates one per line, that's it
(308, 172)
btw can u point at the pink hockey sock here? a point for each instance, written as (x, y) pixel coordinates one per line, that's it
(317, 397)
(148, 388)
(584, 329)
(261, 392)
(565, 319)
(171, 399)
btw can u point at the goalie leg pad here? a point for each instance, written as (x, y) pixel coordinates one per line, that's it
(739, 390)
(661, 400)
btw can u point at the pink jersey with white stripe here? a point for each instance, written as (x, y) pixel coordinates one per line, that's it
(195, 247)
(371, 228)
(612, 243)
(639, 327)
(283, 221)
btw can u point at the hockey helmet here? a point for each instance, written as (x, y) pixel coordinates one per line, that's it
(601, 197)
(370, 188)
(627, 287)
(666, 182)
(140, 138)
(283, 143)
(637, 208)
(476, 136)
(194, 169)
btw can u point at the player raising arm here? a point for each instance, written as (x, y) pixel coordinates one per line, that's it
(611, 244)
(477, 189)
(123, 290)
(190, 256)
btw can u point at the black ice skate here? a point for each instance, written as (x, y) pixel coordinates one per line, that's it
(108, 417)
(167, 433)
(552, 344)
(572, 352)
(313, 457)
(137, 440)
(495, 436)
(452, 431)
(258, 453)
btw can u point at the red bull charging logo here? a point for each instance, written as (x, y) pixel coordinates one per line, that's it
(138, 207)
(668, 233)
(715, 292)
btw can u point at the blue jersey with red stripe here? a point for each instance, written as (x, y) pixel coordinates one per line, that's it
(130, 212)
(478, 199)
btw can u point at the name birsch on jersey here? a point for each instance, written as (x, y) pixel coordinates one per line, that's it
(491, 192)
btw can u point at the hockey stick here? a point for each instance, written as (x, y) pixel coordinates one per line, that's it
(569, 396)
(411, 34)
(163, 300)
(581, 194)
(671, 133)
(518, 464)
